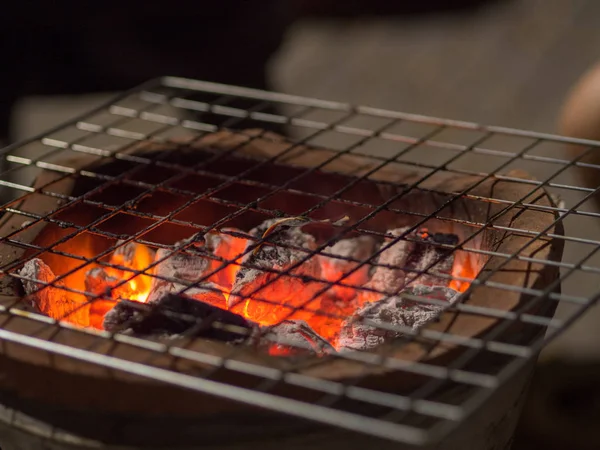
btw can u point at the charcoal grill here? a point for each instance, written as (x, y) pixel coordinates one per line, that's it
(453, 383)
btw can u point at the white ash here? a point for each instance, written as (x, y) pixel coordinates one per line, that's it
(179, 270)
(215, 240)
(99, 282)
(180, 265)
(125, 253)
(49, 297)
(420, 293)
(277, 256)
(429, 261)
(296, 336)
(390, 280)
(334, 267)
(374, 323)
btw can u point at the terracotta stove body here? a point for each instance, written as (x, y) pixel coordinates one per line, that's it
(186, 393)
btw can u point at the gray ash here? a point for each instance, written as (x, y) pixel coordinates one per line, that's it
(181, 265)
(49, 297)
(414, 259)
(99, 282)
(374, 323)
(389, 274)
(428, 261)
(333, 268)
(184, 272)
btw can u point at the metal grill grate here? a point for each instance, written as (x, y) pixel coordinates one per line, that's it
(176, 108)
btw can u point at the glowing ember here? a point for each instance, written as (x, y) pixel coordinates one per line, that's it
(463, 268)
(315, 301)
(137, 258)
(260, 292)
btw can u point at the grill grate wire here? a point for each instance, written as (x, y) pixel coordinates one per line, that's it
(168, 107)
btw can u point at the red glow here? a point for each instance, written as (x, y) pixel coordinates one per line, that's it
(139, 286)
(290, 298)
(463, 267)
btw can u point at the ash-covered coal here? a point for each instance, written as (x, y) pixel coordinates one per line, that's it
(49, 297)
(263, 289)
(345, 254)
(227, 245)
(179, 271)
(99, 282)
(101, 287)
(429, 260)
(389, 275)
(131, 255)
(177, 315)
(415, 259)
(295, 337)
(375, 323)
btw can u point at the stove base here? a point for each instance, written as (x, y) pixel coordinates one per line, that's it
(491, 428)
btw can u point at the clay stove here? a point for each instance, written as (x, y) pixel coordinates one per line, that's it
(268, 273)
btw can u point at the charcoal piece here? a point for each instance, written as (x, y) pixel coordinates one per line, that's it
(268, 296)
(99, 282)
(132, 255)
(181, 265)
(389, 275)
(52, 300)
(177, 315)
(100, 286)
(333, 268)
(178, 272)
(226, 245)
(208, 293)
(295, 337)
(372, 325)
(428, 261)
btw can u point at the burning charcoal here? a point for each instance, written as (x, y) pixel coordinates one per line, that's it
(260, 295)
(181, 265)
(334, 268)
(53, 301)
(137, 258)
(428, 261)
(373, 323)
(389, 280)
(132, 255)
(99, 283)
(177, 315)
(292, 337)
(226, 247)
(180, 270)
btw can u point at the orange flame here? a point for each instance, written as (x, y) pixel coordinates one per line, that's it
(464, 268)
(138, 287)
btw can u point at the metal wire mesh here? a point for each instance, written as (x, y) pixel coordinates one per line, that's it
(177, 108)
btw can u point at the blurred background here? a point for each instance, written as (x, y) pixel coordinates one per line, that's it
(502, 62)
